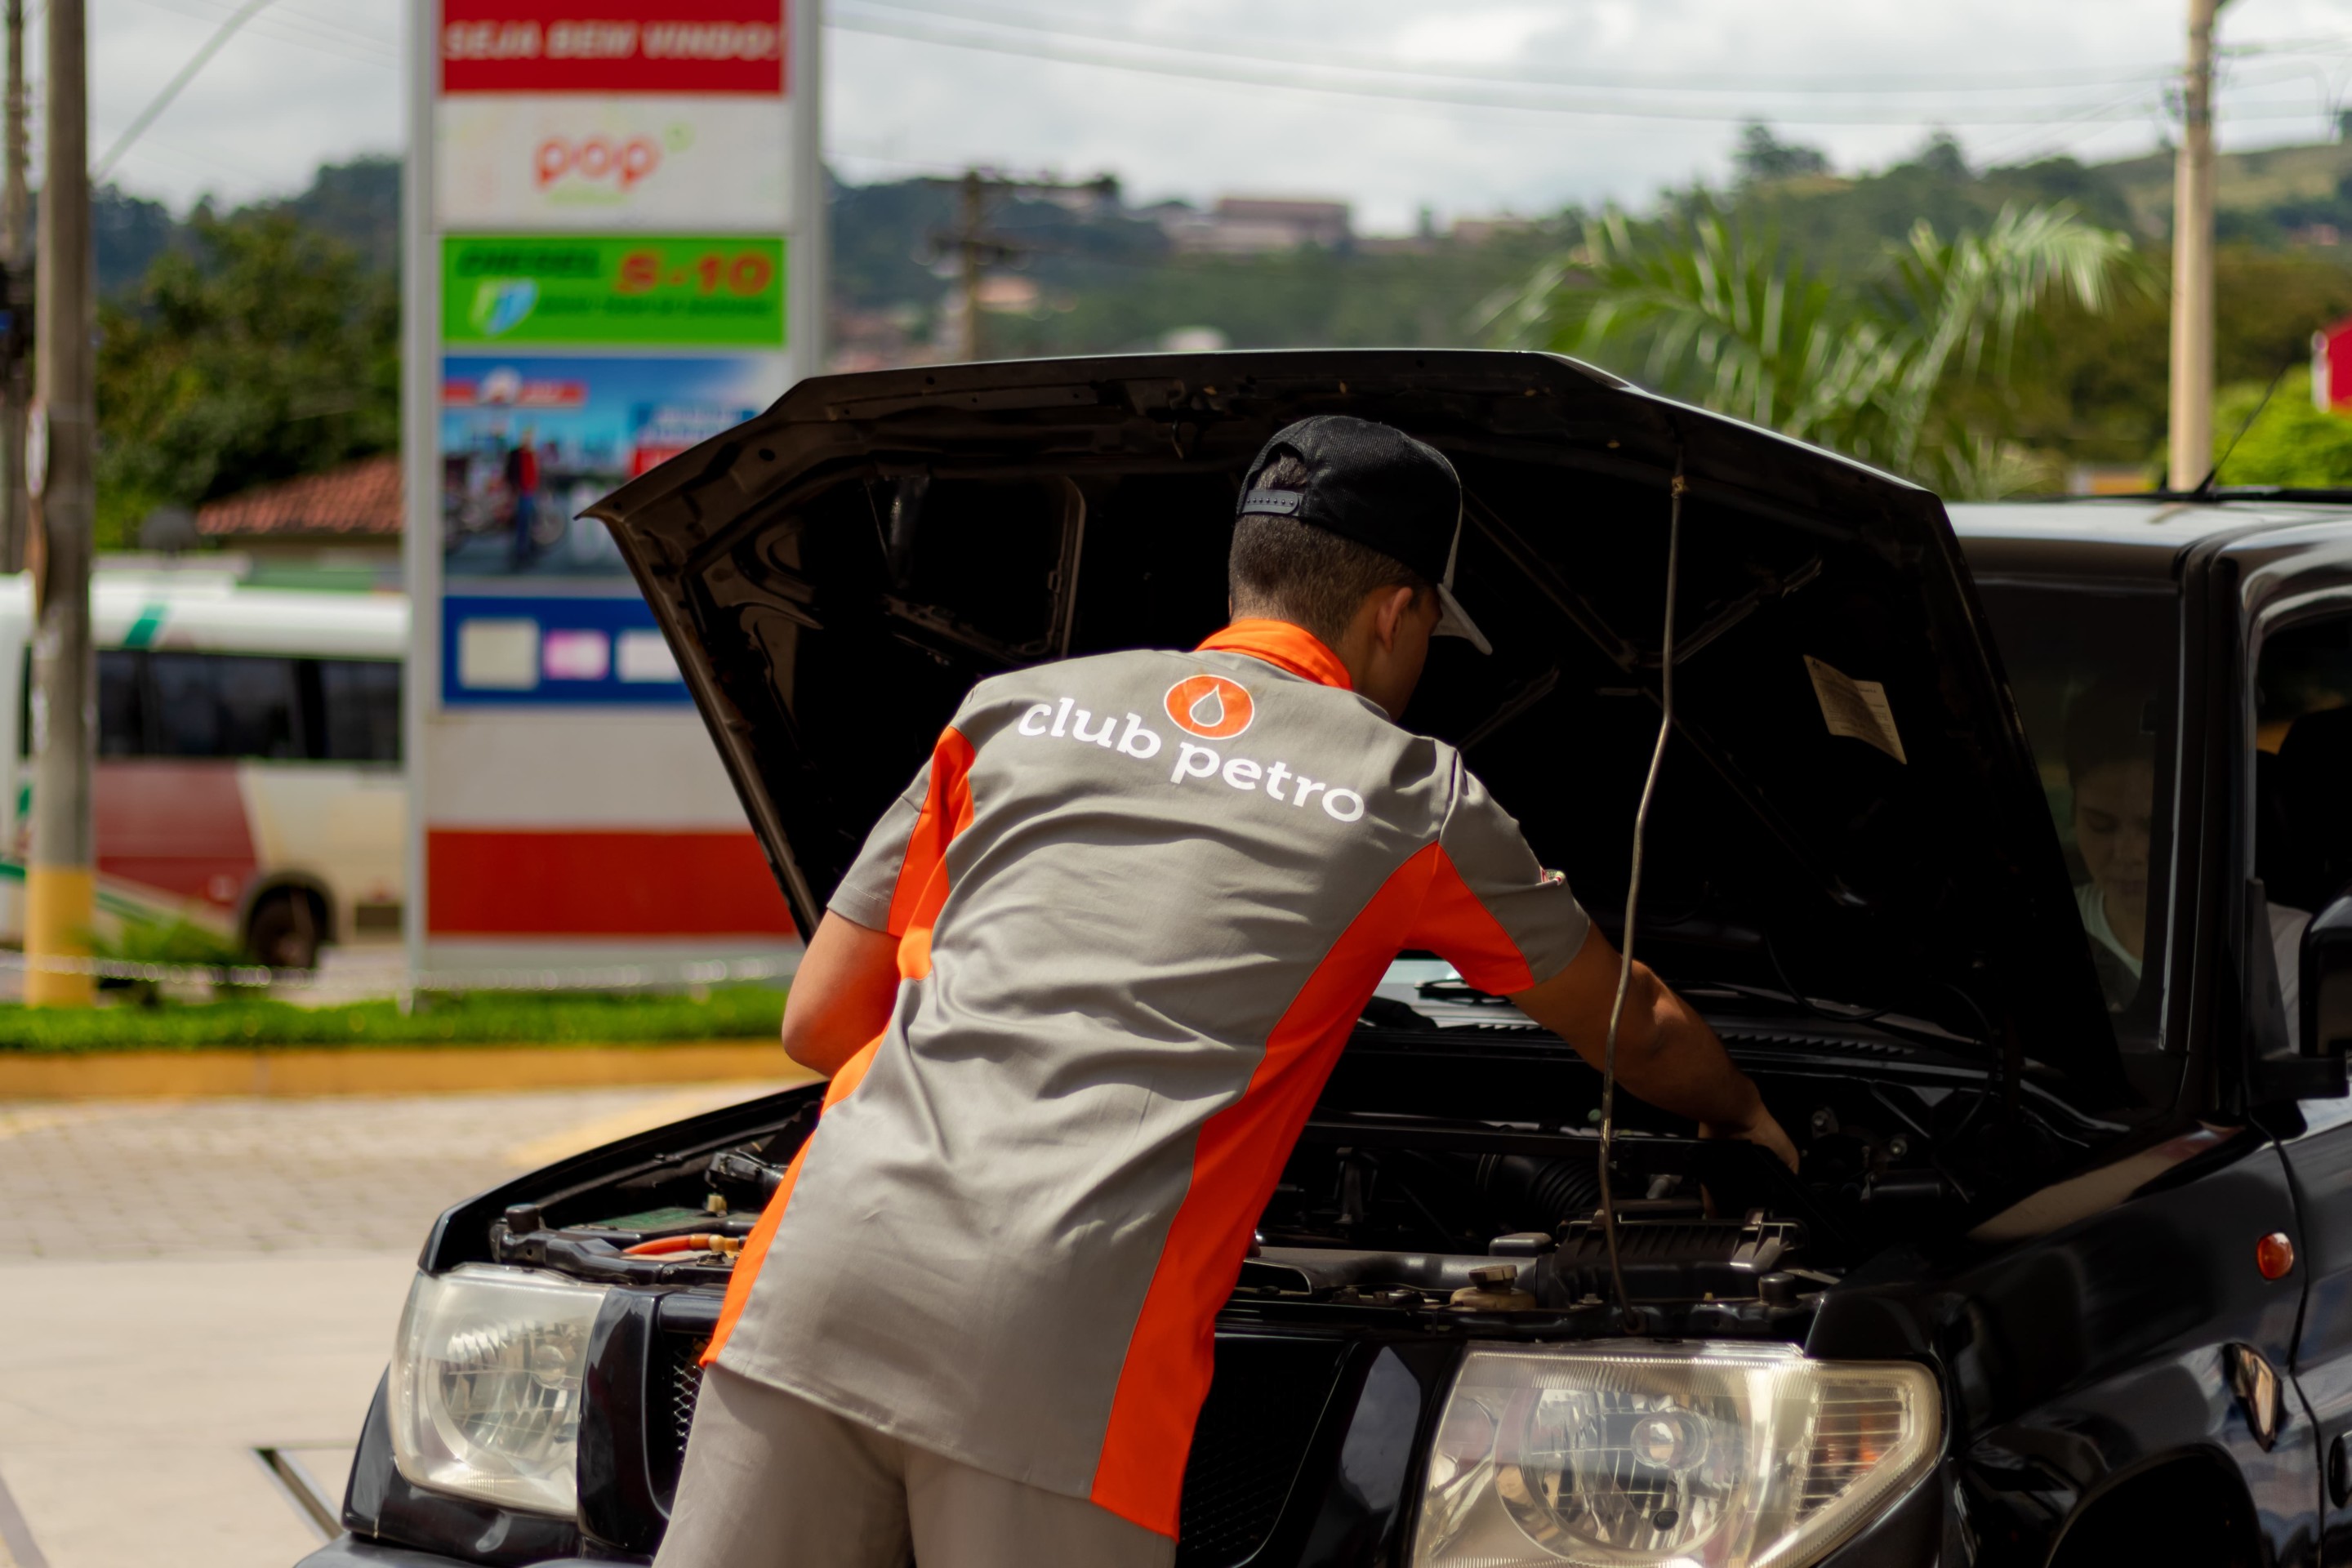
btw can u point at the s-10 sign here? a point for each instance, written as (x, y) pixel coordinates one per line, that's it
(734, 47)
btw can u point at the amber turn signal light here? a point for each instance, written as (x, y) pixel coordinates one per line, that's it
(2275, 1256)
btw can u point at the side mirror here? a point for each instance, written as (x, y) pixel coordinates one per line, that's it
(2327, 977)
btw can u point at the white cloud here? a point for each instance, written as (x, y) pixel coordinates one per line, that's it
(315, 79)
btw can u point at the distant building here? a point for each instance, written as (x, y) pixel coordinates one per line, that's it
(1008, 295)
(355, 507)
(877, 339)
(2110, 480)
(1463, 234)
(1476, 231)
(1255, 226)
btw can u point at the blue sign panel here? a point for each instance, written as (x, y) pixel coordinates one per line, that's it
(517, 651)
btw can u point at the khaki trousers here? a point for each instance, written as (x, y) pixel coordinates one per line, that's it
(773, 1481)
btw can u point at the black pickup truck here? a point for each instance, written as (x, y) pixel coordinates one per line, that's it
(2004, 848)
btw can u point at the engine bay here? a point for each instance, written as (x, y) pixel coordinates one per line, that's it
(1407, 1193)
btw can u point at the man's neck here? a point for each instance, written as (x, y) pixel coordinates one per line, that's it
(1288, 646)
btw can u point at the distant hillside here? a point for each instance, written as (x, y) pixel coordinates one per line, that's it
(2279, 198)
(2264, 195)
(357, 203)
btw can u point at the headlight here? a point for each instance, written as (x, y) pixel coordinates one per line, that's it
(1713, 1456)
(486, 1386)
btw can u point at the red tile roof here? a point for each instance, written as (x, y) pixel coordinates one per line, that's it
(358, 499)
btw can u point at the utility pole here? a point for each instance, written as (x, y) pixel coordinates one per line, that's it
(975, 248)
(60, 889)
(15, 269)
(2191, 443)
(969, 250)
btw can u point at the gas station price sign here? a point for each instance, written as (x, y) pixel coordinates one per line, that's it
(698, 291)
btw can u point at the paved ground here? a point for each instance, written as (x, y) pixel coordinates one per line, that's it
(183, 1283)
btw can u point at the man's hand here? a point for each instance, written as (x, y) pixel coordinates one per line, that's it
(1666, 1054)
(1764, 1130)
(842, 994)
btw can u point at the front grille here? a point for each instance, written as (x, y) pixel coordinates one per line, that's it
(1260, 1414)
(672, 1385)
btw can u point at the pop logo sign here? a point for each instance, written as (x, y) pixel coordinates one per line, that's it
(597, 160)
(645, 164)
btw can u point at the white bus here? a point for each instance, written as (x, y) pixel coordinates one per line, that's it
(249, 759)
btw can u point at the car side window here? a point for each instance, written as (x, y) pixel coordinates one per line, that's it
(2302, 780)
(2091, 671)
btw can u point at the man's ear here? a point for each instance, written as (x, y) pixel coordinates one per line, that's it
(1388, 612)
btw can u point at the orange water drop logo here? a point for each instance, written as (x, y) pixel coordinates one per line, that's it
(1210, 707)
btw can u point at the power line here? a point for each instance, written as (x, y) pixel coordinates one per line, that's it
(1523, 97)
(162, 101)
(289, 28)
(1743, 83)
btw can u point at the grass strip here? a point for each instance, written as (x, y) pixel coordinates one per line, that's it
(472, 1019)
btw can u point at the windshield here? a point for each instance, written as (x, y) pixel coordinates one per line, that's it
(2092, 668)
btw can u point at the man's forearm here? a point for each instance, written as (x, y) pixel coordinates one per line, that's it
(1671, 1057)
(1666, 1054)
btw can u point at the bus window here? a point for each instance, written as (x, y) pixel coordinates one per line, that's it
(353, 710)
(121, 707)
(224, 705)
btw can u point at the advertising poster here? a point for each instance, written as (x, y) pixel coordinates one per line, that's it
(712, 291)
(526, 443)
(615, 249)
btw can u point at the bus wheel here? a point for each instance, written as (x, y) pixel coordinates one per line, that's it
(285, 929)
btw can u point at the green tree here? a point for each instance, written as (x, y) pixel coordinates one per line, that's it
(1763, 157)
(2285, 440)
(259, 351)
(1712, 309)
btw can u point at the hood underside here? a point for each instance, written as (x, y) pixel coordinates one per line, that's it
(835, 574)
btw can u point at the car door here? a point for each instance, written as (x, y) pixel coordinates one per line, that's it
(2299, 778)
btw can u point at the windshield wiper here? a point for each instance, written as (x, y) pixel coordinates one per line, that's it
(1840, 1012)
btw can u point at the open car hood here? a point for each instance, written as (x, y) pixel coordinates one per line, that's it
(835, 574)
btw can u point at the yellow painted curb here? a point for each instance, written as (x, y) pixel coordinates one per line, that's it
(294, 1070)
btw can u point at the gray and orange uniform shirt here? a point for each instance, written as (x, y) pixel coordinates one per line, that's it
(1140, 901)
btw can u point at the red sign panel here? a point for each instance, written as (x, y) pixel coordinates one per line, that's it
(489, 883)
(2331, 368)
(612, 46)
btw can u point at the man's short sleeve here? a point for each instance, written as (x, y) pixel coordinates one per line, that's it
(1492, 912)
(870, 887)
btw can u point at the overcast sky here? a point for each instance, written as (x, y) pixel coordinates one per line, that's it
(1467, 107)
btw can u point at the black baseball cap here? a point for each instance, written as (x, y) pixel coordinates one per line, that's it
(1376, 485)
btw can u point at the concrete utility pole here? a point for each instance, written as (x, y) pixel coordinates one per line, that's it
(970, 248)
(975, 248)
(2193, 260)
(59, 890)
(15, 264)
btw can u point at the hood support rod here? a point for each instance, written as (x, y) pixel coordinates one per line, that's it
(1633, 1320)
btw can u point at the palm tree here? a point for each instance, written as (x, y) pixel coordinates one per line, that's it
(1717, 313)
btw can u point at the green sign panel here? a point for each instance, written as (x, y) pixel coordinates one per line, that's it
(658, 293)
